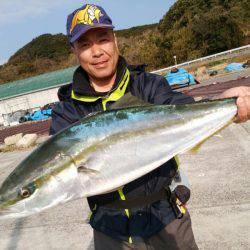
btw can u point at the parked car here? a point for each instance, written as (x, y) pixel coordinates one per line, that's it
(37, 115)
(14, 117)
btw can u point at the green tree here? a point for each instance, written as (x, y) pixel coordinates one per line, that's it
(214, 32)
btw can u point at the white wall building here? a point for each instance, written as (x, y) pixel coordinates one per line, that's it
(31, 93)
(33, 101)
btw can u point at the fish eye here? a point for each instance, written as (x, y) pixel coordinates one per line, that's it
(28, 190)
(25, 192)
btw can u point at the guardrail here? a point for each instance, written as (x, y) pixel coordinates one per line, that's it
(231, 51)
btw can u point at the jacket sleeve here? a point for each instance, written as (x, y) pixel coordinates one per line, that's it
(59, 119)
(161, 92)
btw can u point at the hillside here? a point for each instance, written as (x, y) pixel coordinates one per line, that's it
(195, 28)
(190, 29)
(44, 53)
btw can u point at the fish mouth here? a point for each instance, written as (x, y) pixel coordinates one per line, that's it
(14, 211)
(6, 213)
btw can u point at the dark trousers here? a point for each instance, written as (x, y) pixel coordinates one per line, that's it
(176, 235)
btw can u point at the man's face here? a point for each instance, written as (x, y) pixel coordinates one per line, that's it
(97, 53)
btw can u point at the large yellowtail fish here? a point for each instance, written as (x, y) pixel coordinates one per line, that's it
(107, 150)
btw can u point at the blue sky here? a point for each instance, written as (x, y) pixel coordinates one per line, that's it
(23, 20)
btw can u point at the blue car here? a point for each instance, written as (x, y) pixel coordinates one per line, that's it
(37, 115)
(180, 77)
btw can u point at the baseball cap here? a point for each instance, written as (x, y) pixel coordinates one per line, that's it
(87, 17)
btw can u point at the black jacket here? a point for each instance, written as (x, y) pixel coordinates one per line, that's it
(138, 222)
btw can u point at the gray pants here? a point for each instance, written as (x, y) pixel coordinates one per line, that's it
(176, 235)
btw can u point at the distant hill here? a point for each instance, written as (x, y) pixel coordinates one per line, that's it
(195, 28)
(190, 29)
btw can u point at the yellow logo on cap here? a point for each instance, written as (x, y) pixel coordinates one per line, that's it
(86, 16)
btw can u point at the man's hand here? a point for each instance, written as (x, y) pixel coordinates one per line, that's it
(243, 101)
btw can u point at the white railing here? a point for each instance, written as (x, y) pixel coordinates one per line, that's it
(203, 59)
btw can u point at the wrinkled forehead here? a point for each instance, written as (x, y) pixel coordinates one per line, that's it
(95, 33)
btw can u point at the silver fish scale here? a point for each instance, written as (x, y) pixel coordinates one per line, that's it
(140, 143)
(108, 150)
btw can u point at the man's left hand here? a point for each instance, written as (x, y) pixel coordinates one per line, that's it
(243, 101)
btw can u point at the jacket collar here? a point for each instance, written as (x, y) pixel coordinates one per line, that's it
(81, 85)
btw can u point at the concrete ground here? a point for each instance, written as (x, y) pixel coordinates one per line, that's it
(227, 76)
(220, 204)
(222, 78)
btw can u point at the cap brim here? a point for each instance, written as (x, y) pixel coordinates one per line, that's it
(83, 31)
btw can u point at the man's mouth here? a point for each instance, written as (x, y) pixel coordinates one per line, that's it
(100, 64)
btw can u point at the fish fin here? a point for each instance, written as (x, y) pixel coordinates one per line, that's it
(92, 114)
(84, 169)
(127, 101)
(215, 98)
(196, 148)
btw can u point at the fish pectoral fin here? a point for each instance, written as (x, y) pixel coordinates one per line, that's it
(84, 169)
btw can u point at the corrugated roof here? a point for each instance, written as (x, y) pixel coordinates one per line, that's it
(30, 84)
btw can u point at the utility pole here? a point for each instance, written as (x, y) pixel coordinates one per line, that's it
(175, 60)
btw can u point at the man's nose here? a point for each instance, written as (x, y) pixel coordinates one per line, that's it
(96, 50)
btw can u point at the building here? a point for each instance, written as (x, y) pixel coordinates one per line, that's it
(31, 93)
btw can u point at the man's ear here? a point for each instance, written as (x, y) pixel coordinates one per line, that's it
(72, 48)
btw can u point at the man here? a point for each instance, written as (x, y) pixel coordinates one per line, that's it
(102, 78)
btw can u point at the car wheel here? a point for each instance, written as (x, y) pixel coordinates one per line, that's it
(22, 120)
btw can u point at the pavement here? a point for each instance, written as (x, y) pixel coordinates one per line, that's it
(220, 204)
(231, 76)
(227, 76)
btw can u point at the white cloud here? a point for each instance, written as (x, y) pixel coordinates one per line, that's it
(17, 10)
